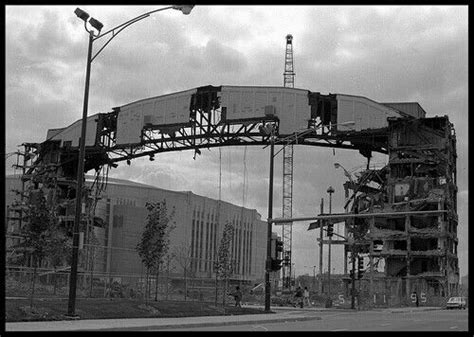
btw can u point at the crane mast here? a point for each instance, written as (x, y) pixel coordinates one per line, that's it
(287, 204)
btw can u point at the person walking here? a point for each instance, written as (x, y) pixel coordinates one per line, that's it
(237, 297)
(299, 297)
(306, 296)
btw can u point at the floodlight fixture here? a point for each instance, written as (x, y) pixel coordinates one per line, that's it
(96, 24)
(81, 14)
(185, 9)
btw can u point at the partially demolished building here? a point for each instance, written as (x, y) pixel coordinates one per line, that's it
(409, 233)
(402, 217)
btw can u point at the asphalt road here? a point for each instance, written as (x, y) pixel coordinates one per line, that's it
(436, 320)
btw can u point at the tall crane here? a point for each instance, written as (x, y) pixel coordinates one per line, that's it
(287, 204)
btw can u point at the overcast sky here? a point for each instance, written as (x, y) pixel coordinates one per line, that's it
(385, 53)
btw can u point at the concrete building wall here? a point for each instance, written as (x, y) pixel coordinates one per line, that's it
(199, 222)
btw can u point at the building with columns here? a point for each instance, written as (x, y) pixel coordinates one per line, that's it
(120, 217)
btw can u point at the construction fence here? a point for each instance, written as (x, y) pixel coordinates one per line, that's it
(175, 280)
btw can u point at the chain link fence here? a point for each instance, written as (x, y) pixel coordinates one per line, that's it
(51, 283)
(176, 279)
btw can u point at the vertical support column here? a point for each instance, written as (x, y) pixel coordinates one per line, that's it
(353, 277)
(408, 238)
(443, 231)
(346, 210)
(321, 250)
(269, 226)
(345, 258)
(109, 236)
(371, 260)
(345, 267)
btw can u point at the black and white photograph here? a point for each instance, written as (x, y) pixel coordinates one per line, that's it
(287, 167)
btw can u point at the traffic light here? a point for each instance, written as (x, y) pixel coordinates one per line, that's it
(360, 267)
(330, 230)
(276, 248)
(275, 264)
(360, 263)
(279, 247)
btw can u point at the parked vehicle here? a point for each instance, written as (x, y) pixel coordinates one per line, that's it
(456, 303)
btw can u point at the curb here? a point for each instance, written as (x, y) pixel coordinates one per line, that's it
(209, 324)
(413, 310)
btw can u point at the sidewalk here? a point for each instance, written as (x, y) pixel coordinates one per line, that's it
(280, 314)
(158, 323)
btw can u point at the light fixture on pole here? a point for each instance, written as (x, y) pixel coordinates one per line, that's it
(81, 14)
(330, 191)
(346, 173)
(186, 9)
(97, 25)
(269, 130)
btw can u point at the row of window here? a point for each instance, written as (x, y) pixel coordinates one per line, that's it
(205, 241)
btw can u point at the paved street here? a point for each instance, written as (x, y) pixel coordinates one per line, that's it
(436, 320)
(283, 319)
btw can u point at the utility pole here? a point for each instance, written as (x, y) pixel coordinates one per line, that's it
(330, 190)
(321, 250)
(353, 277)
(269, 225)
(314, 278)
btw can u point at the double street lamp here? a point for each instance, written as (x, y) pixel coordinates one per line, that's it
(94, 34)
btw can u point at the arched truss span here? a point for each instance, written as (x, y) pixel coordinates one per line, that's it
(210, 116)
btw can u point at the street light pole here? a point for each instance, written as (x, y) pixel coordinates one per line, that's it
(330, 190)
(346, 210)
(269, 225)
(185, 9)
(80, 179)
(321, 249)
(353, 276)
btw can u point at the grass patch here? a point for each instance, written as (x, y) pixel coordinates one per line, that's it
(19, 310)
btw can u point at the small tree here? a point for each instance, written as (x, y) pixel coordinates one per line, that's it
(223, 265)
(59, 252)
(93, 253)
(154, 243)
(182, 255)
(42, 237)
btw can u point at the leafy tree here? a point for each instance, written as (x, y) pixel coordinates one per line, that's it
(93, 253)
(59, 252)
(43, 240)
(154, 243)
(223, 265)
(182, 255)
